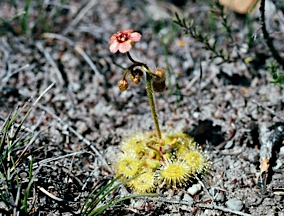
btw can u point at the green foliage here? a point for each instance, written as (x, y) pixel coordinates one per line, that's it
(277, 76)
(11, 161)
(16, 147)
(25, 204)
(223, 52)
(198, 36)
(35, 19)
(24, 21)
(221, 41)
(94, 203)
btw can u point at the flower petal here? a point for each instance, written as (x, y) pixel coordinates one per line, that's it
(125, 47)
(126, 31)
(135, 36)
(112, 38)
(114, 47)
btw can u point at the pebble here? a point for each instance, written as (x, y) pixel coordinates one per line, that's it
(194, 189)
(187, 198)
(138, 204)
(81, 127)
(234, 204)
(219, 197)
(3, 206)
(281, 151)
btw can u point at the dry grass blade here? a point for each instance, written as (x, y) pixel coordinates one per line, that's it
(80, 15)
(76, 47)
(87, 142)
(52, 63)
(92, 205)
(15, 147)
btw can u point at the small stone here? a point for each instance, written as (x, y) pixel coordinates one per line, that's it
(138, 204)
(196, 115)
(234, 204)
(23, 175)
(75, 87)
(281, 152)
(194, 189)
(81, 127)
(219, 197)
(3, 206)
(229, 144)
(187, 198)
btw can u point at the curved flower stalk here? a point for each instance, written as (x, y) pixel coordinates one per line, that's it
(122, 41)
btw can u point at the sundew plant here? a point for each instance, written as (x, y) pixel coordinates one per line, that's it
(164, 158)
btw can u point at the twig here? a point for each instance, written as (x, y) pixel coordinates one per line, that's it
(91, 174)
(87, 142)
(4, 46)
(258, 202)
(9, 75)
(48, 160)
(160, 199)
(42, 115)
(87, 59)
(43, 93)
(25, 149)
(269, 110)
(266, 36)
(62, 201)
(69, 172)
(51, 195)
(64, 6)
(77, 48)
(5, 50)
(51, 61)
(17, 125)
(80, 15)
(223, 209)
(205, 188)
(59, 37)
(268, 141)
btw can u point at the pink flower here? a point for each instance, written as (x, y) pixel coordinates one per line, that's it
(123, 40)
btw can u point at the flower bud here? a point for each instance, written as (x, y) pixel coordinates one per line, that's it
(122, 84)
(158, 86)
(161, 75)
(135, 76)
(134, 79)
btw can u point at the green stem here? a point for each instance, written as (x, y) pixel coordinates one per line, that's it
(158, 153)
(149, 75)
(152, 104)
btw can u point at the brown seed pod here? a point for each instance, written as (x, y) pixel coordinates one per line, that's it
(134, 79)
(123, 84)
(135, 76)
(158, 86)
(161, 75)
